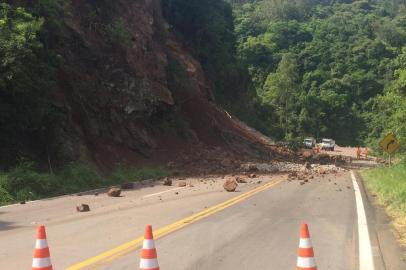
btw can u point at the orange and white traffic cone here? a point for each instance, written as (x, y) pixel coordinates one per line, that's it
(149, 260)
(305, 259)
(42, 258)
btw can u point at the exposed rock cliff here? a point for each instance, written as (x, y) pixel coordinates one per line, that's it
(132, 92)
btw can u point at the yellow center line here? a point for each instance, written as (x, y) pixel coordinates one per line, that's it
(106, 257)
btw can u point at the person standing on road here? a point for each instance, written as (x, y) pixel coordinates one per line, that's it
(366, 153)
(358, 152)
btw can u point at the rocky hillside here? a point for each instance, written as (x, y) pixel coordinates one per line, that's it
(132, 92)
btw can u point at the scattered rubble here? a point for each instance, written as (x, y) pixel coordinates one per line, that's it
(83, 208)
(292, 175)
(253, 175)
(230, 185)
(293, 168)
(252, 168)
(114, 192)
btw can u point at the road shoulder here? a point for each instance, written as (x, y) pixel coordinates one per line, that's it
(387, 252)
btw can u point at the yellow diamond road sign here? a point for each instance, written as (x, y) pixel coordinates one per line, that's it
(389, 144)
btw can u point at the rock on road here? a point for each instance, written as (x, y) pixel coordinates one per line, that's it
(261, 232)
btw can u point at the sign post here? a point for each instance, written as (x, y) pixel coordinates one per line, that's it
(390, 144)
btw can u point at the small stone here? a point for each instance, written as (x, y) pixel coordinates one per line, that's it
(259, 182)
(176, 193)
(167, 181)
(22, 202)
(253, 175)
(83, 208)
(182, 184)
(96, 194)
(114, 192)
(240, 180)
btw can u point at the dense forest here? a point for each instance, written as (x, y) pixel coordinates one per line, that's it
(325, 68)
(303, 68)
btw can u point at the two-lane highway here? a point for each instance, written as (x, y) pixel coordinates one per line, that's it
(201, 227)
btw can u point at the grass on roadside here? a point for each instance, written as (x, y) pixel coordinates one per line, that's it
(389, 184)
(24, 183)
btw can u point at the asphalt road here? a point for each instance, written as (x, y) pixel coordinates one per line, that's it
(262, 232)
(259, 232)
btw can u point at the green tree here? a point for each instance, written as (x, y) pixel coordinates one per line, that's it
(281, 90)
(27, 116)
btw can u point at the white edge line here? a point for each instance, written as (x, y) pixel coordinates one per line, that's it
(366, 261)
(162, 192)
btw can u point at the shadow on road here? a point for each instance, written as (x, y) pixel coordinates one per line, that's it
(6, 226)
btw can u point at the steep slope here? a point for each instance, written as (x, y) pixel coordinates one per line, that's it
(134, 94)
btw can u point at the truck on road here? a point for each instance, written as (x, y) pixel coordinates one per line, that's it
(309, 143)
(328, 144)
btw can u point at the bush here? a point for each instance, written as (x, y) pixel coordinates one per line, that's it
(23, 183)
(5, 196)
(78, 176)
(124, 173)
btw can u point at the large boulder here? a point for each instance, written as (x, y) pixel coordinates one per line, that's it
(230, 185)
(114, 192)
